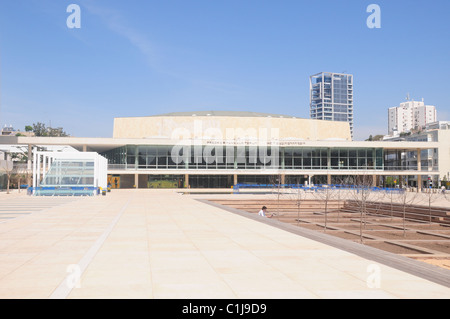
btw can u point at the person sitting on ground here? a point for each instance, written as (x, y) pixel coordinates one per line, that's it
(263, 212)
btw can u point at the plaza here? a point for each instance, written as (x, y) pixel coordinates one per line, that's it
(166, 244)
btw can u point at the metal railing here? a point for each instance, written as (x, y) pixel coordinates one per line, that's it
(63, 191)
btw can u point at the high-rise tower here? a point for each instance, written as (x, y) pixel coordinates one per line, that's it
(331, 97)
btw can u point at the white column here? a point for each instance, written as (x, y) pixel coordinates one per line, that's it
(419, 170)
(44, 166)
(30, 153)
(38, 181)
(34, 167)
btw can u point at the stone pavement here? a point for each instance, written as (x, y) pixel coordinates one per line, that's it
(162, 244)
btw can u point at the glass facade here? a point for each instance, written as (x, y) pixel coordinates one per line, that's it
(298, 164)
(78, 173)
(331, 97)
(148, 157)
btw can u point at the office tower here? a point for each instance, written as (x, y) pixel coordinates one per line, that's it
(410, 115)
(331, 97)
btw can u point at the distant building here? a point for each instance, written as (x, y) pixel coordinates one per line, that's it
(10, 131)
(331, 97)
(410, 115)
(431, 160)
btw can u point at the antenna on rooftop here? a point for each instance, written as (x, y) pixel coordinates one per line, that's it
(407, 97)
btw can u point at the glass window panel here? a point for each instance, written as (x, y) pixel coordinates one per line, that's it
(131, 150)
(162, 161)
(307, 162)
(343, 153)
(334, 162)
(316, 162)
(361, 162)
(151, 160)
(288, 162)
(131, 160)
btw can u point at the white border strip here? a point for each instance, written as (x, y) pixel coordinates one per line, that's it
(65, 288)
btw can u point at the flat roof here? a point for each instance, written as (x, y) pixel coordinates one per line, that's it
(219, 113)
(101, 144)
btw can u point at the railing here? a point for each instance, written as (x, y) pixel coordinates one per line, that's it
(63, 191)
(318, 188)
(411, 168)
(20, 166)
(113, 167)
(191, 166)
(117, 167)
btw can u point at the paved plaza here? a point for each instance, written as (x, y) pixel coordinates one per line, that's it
(163, 244)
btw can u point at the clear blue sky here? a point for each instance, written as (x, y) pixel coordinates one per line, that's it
(138, 58)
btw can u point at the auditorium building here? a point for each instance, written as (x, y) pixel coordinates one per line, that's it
(221, 149)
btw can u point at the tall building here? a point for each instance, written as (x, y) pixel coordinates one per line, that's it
(410, 115)
(331, 97)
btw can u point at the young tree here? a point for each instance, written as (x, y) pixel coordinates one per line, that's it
(296, 195)
(8, 168)
(363, 193)
(21, 173)
(430, 197)
(275, 180)
(406, 199)
(325, 194)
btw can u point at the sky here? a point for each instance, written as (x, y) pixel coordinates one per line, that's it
(141, 58)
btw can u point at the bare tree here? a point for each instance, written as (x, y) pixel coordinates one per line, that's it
(325, 194)
(21, 173)
(275, 180)
(431, 197)
(298, 200)
(362, 194)
(390, 193)
(8, 168)
(296, 195)
(406, 199)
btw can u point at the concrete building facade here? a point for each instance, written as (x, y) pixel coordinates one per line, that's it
(410, 115)
(436, 132)
(202, 153)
